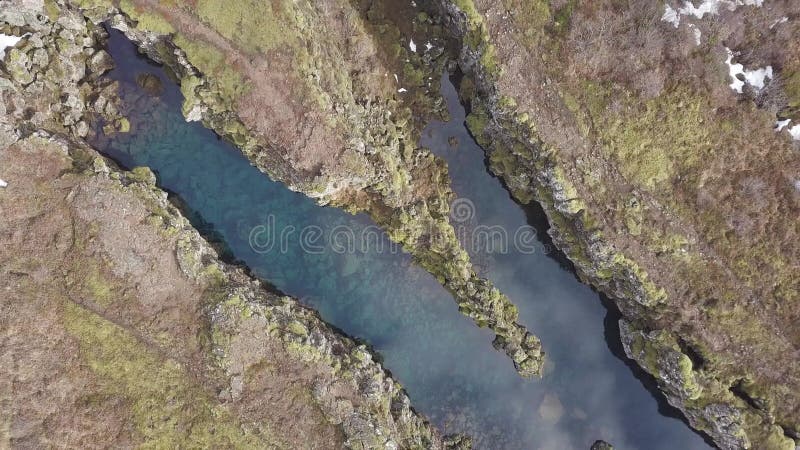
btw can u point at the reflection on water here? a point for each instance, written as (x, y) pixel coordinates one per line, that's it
(448, 366)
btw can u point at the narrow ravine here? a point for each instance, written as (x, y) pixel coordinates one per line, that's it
(343, 266)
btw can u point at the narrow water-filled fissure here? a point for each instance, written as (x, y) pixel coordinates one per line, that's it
(347, 269)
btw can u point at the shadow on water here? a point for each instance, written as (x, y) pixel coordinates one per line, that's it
(447, 365)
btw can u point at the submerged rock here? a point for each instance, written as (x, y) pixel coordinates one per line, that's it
(601, 445)
(150, 83)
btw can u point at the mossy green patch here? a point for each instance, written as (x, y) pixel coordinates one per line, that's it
(791, 84)
(656, 140)
(168, 409)
(142, 175)
(532, 17)
(211, 62)
(257, 26)
(146, 20)
(52, 10)
(474, 18)
(98, 286)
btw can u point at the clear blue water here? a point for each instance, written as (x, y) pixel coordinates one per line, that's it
(448, 366)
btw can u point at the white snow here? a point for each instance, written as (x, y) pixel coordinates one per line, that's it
(428, 46)
(707, 7)
(710, 7)
(3, 184)
(671, 16)
(781, 124)
(401, 90)
(754, 78)
(397, 80)
(697, 34)
(7, 41)
(412, 46)
(795, 132)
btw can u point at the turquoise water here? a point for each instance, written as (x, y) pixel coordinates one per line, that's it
(374, 292)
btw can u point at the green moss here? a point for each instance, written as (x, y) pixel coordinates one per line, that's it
(146, 20)
(791, 85)
(633, 216)
(296, 327)
(413, 76)
(52, 10)
(98, 287)
(214, 275)
(257, 26)
(167, 408)
(91, 4)
(123, 125)
(489, 61)
(142, 175)
(655, 141)
(477, 121)
(628, 268)
(474, 18)
(211, 62)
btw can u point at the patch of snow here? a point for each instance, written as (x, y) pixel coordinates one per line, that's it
(671, 16)
(3, 184)
(428, 46)
(783, 19)
(734, 70)
(710, 7)
(412, 46)
(754, 78)
(397, 80)
(7, 41)
(401, 90)
(697, 34)
(781, 124)
(795, 132)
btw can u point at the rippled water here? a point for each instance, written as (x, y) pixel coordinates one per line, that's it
(448, 366)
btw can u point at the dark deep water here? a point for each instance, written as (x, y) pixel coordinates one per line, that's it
(448, 366)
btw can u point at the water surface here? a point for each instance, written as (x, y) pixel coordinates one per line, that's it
(448, 366)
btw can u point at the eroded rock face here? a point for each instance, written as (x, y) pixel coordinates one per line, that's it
(121, 326)
(669, 191)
